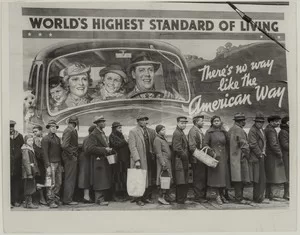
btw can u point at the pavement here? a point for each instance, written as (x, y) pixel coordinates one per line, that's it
(210, 205)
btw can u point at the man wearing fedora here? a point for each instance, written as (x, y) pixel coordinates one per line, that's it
(97, 147)
(257, 143)
(52, 152)
(16, 142)
(69, 156)
(181, 160)
(143, 69)
(239, 154)
(274, 164)
(196, 140)
(140, 142)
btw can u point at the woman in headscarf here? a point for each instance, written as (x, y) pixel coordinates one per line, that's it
(218, 178)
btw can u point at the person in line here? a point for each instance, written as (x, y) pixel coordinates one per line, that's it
(98, 148)
(16, 142)
(140, 142)
(196, 139)
(85, 168)
(29, 171)
(239, 155)
(112, 82)
(77, 80)
(119, 144)
(181, 160)
(37, 146)
(69, 155)
(163, 158)
(274, 165)
(52, 153)
(284, 144)
(216, 137)
(257, 143)
(142, 70)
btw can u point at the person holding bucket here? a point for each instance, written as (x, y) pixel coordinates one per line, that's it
(163, 159)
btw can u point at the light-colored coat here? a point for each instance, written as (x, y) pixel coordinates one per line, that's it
(137, 148)
(239, 152)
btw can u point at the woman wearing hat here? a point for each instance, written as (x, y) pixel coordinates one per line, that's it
(119, 170)
(77, 80)
(216, 137)
(112, 82)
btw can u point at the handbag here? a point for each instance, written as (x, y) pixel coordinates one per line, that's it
(136, 182)
(202, 156)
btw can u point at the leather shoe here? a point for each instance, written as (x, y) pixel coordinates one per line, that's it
(16, 204)
(147, 201)
(87, 201)
(140, 203)
(72, 203)
(200, 200)
(104, 203)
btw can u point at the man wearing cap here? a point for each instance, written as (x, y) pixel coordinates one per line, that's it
(140, 143)
(69, 155)
(274, 165)
(97, 148)
(142, 70)
(77, 80)
(196, 139)
(181, 160)
(239, 154)
(16, 142)
(112, 81)
(257, 143)
(52, 152)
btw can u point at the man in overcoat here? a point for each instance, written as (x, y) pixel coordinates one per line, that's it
(97, 148)
(16, 142)
(70, 155)
(181, 160)
(140, 143)
(196, 139)
(274, 165)
(283, 137)
(239, 154)
(257, 143)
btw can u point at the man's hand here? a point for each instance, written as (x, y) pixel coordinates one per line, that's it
(138, 164)
(164, 167)
(108, 149)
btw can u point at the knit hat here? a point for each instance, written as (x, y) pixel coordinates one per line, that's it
(158, 128)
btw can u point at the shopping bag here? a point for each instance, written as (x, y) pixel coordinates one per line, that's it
(202, 156)
(136, 182)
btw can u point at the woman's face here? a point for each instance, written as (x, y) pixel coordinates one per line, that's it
(112, 82)
(79, 84)
(30, 142)
(217, 122)
(119, 129)
(58, 94)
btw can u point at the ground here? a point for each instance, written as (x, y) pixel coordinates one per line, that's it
(210, 205)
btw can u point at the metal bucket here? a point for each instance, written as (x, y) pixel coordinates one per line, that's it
(165, 181)
(112, 159)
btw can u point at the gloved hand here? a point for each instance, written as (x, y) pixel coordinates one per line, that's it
(138, 164)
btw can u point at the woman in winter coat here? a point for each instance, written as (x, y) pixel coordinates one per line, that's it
(119, 170)
(29, 171)
(217, 139)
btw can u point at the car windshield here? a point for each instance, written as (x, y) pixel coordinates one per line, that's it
(102, 75)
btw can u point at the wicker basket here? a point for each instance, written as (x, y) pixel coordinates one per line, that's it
(202, 156)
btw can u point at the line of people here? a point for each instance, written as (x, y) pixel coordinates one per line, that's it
(260, 157)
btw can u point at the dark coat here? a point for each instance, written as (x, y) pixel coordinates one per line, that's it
(239, 154)
(101, 170)
(163, 156)
(284, 144)
(218, 140)
(181, 156)
(120, 146)
(37, 146)
(52, 150)
(69, 143)
(16, 142)
(274, 165)
(257, 144)
(29, 164)
(84, 167)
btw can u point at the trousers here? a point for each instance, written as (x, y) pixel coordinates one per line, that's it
(70, 179)
(199, 179)
(239, 191)
(181, 192)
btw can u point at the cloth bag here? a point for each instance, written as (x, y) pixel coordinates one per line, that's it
(136, 182)
(202, 156)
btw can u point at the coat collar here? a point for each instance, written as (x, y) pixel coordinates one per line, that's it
(260, 132)
(100, 135)
(213, 129)
(14, 135)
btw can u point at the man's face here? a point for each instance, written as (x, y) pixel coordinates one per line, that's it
(53, 129)
(242, 123)
(144, 76)
(37, 132)
(11, 129)
(163, 131)
(200, 123)
(119, 129)
(101, 124)
(143, 122)
(275, 123)
(58, 94)
(259, 125)
(181, 124)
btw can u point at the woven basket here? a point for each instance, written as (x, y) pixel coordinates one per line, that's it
(202, 156)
